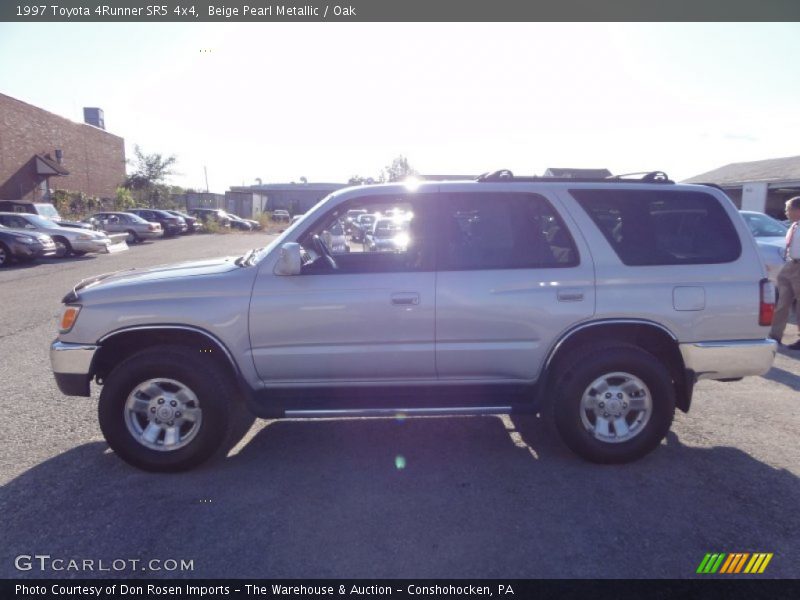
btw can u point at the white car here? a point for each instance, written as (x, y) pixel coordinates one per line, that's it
(770, 236)
(68, 240)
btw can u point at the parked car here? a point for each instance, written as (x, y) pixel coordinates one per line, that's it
(43, 209)
(361, 226)
(170, 224)
(68, 241)
(770, 235)
(239, 223)
(350, 220)
(193, 224)
(597, 303)
(281, 215)
(216, 215)
(387, 235)
(135, 226)
(24, 246)
(335, 238)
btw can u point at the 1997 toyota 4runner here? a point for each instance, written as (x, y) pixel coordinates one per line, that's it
(596, 303)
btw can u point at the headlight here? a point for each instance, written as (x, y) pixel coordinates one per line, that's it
(85, 236)
(68, 318)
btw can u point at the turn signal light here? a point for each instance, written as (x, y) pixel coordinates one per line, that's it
(68, 318)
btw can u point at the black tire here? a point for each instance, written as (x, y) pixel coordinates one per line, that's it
(224, 421)
(134, 239)
(66, 247)
(5, 255)
(596, 363)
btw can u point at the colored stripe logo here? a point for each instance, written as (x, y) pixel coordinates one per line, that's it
(737, 562)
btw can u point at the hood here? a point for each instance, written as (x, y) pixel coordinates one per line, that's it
(38, 235)
(773, 242)
(161, 272)
(72, 232)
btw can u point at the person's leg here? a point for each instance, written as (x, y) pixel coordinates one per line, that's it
(785, 298)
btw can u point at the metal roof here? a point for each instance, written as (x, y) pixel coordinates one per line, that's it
(770, 170)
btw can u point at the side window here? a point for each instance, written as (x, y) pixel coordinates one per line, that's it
(662, 227)
(503, 231)
(373, 234)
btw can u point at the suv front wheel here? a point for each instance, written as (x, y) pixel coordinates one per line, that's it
(168, 408)
(613, 404)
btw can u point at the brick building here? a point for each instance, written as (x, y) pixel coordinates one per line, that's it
(40, 151)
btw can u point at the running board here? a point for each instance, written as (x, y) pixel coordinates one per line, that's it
(397, 412)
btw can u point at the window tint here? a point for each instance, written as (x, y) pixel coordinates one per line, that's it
(503, 231)
(662, 227)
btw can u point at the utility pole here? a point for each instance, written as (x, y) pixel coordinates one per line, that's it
(205, 170)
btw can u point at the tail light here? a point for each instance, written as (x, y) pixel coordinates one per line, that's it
(152, 227)
(766, 304)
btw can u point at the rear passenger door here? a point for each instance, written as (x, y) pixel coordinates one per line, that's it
(512, 276)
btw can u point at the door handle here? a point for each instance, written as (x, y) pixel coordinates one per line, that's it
(405, 298)
(569, 295)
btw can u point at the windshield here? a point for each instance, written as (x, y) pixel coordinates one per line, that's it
(135, 218)
(47, 210)
(764, 225)
(40, 221)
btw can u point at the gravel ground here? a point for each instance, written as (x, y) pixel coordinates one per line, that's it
(468, 497)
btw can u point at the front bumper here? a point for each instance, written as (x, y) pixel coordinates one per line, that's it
(730, 359)
(72, 365)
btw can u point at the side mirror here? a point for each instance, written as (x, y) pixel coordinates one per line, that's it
(290, 261)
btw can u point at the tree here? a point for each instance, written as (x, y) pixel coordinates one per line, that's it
(148, 177)
(397, 171)
(149, 169)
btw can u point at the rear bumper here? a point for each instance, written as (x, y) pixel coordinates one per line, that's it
(729, 359)
(72, 365)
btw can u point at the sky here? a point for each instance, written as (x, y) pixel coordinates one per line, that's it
(327, 101)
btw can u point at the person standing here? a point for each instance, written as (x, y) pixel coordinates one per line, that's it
(789, 275)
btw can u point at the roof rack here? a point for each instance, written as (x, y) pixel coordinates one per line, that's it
(645, 177)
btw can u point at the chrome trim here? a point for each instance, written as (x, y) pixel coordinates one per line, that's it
(210, 336)
(397, 412)
(729, 359)
(71, 359)
(582, 326)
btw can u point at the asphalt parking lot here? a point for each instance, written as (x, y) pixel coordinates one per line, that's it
(470, 497)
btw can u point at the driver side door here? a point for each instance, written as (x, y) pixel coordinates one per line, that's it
(370, 320)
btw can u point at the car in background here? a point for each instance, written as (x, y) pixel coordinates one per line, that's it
(387, 235)
(239, 223)
(68, 241)
(215, 215)
(170, 224)
(43, 209)
(281, 215)
(350, 219)
(335, 238)
(193, 224)
(361, 226)
(24, 246)
(135, 226)
(770, 235)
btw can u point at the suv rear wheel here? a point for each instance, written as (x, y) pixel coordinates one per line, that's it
(167, 408)
(614, 403)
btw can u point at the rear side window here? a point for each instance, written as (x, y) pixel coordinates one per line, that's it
(662, 227)
(503, 231)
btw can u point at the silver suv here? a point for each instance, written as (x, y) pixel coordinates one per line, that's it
(598, 304)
